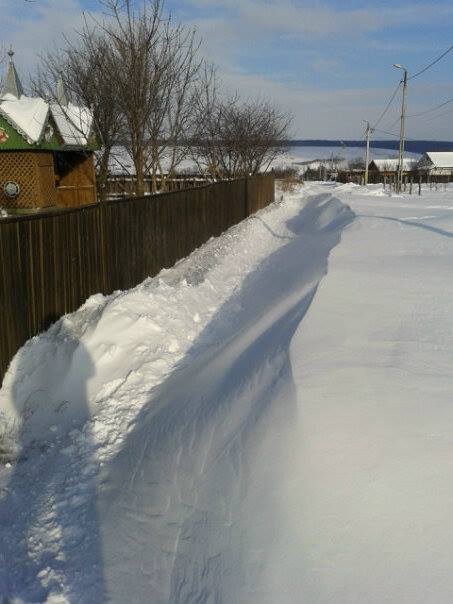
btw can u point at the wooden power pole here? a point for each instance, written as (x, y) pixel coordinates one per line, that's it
(368, 132)
(403, 118)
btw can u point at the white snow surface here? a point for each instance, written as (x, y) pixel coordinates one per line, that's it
(267, 422)
(27, 115)
(295, 158)
(73, 122)
(392, 164)
(440, 159)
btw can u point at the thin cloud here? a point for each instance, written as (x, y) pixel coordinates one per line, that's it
(309, 57)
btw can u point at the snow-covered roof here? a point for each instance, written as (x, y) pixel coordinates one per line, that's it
(440, 159)
(391, 164)
(74, 123)
(27, 115)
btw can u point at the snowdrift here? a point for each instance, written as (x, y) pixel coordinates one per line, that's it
(152, 422)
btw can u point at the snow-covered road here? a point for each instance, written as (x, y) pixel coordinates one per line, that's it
(269, 422)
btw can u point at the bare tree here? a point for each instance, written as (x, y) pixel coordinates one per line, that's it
(151, 94)
(356, 163)
(138, 64)
(83, 68)
(236, 137)
(173, 115)
(155, 66)
(206, 124)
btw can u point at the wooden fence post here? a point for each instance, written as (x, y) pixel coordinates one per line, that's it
(246, 197)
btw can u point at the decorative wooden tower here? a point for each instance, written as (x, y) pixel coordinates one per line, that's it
(46, 149)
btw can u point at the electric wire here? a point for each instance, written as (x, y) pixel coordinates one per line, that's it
(435, 117)
(392, 98)
(432, 109)
(394, 134)
(398, 119)
(415, 75)
(387, 132)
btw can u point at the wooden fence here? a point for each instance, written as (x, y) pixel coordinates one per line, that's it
(51, 262)
(123, 185)
(389, 178)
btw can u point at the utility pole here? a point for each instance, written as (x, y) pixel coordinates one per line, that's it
(368, 132)
(403, 118)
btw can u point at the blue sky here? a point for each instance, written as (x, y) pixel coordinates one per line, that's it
(329, 63)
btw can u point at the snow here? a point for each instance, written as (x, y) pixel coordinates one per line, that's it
(392, 164)
(27, 115)
(74, 123)
(299, 159)
(439, 159)
(268, 421)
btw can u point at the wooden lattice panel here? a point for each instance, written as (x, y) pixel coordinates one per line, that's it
(34, 173)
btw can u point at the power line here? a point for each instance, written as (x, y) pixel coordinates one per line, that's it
(431, 64)
(432, 109)
(394, 123)
(440, 115)
(425, 112)
(392, 98)
(387, 132)
(394, 134)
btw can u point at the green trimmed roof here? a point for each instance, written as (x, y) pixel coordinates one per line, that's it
(34, 123)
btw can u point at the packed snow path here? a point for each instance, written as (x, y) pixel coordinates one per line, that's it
(267, 423)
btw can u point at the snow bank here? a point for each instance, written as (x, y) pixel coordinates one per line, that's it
(173, 356)
(65, 375)
(269, 421)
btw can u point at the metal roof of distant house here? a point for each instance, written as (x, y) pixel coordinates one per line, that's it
(438, 159)
(60, 125)
(391, 164)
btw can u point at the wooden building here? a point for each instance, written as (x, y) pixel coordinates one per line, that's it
(389, 166)
(46, 150)
(438, 163)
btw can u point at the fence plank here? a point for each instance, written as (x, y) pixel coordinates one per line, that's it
(51, 262)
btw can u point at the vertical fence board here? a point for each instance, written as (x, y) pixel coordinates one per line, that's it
(51, 262)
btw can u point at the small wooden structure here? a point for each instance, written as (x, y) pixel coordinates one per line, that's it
(46, 150)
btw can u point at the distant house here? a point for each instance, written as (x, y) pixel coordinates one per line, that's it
(390, 166)
(438, 163)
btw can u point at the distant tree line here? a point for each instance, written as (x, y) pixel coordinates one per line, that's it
(153, 94)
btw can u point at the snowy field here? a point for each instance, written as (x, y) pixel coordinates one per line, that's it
(296, 157)
(268, 422)
(293, 157)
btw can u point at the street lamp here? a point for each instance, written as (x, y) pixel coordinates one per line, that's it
(403, 117)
